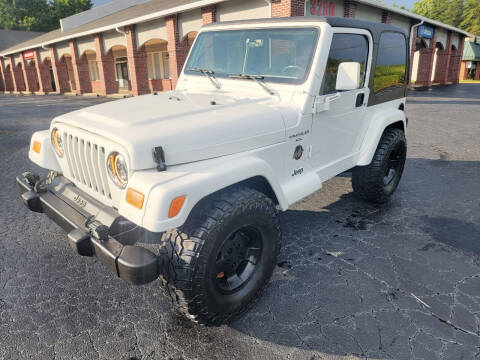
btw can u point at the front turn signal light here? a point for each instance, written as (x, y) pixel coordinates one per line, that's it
(36, 147)
(175, 206)
(135, 198)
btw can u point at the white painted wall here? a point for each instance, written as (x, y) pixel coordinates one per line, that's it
(455, 40)
(62, 49)
(402, 22)
(84, 44)
(442, 36)
(112, 38)
(17, 59)
(154, 29)
(44, 54)
(368, 13)
(242, 10)
(189, 21)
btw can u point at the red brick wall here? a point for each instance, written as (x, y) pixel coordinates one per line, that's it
(80, 70)
(137, 64)
(108, 84)
(349, 8)
(386, 17)
(177, 50)
(160, 85)
(288, 8)
(456, 60)
(209, 14)
(7, 75)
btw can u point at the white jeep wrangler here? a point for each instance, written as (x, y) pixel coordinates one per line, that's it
(263, 113)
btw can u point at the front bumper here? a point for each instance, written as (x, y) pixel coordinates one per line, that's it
(93, 228)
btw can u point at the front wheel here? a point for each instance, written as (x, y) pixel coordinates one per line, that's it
(378, 181)
(224, 254)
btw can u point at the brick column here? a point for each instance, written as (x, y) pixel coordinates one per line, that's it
(209, 14)
(349, 9)
(137, 64)
(176, 51)
(105, 68)
(456, 61)
(80, 82)
(288, 8)
(386, 17)
(425, 64)
(28, 77)
(60, 71)
(7, 76)
(2, 76)
(12, 71)
(477, 71)
(443, 61)
(43, 73)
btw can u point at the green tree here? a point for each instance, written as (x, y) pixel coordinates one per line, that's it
(38, 15)
(471, 17)
(447, 11)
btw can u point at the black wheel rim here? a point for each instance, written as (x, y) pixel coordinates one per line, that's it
(238, 259)
(393, 167)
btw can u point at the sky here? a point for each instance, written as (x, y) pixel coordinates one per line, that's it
(408, 3)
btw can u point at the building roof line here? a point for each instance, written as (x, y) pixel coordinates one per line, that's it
(410, 14)
(201, 3)
(135, 20)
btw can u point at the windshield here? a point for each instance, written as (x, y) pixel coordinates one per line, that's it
(277, 55)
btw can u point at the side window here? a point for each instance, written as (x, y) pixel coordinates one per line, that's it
(390, 70)
(345, 48)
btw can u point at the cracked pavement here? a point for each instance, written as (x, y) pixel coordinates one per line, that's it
(354, 281)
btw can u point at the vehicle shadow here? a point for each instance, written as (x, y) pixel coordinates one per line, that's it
(347, 269)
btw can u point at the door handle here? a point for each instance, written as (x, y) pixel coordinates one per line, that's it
(334, 97)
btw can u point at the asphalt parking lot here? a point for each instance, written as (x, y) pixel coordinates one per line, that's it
(353, 281)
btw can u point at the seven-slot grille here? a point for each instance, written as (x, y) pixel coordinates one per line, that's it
(86, 162)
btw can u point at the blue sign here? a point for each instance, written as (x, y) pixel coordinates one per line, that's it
(425, 31)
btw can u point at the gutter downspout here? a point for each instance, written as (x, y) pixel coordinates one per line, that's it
(117, 29)
(411, 32)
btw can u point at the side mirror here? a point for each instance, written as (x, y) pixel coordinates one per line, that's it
(348, 76)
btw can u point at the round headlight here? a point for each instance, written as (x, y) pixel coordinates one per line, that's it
(117, 168)
(57, 142)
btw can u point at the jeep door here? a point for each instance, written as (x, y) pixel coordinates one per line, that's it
(338, 121)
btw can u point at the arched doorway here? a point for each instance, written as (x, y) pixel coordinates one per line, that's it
(67, 59)
(158, 64)
(47, 62)
(438, 47)
(34, 74)
(19, 78)
(120, 60)
(420, 44)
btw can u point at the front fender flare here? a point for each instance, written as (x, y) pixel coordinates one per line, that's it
(378, 124)
(200, 183)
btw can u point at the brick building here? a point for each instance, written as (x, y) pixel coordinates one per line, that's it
(139, 46)
(470, 69)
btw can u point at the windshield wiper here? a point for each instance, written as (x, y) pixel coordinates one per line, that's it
(208, 74)
(255, 78)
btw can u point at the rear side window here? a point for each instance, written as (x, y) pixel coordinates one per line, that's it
(391, 67)
(345, 48)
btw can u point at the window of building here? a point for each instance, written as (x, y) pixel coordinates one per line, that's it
(93, 70)
(158, 65)
(391, 65)
(92, 66)
(345, 48)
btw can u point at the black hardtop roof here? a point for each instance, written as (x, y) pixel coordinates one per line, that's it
(373, 27)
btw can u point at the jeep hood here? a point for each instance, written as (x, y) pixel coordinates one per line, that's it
(189, 127)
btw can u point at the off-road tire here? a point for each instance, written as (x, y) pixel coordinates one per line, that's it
(188, 252)
(368, 181)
